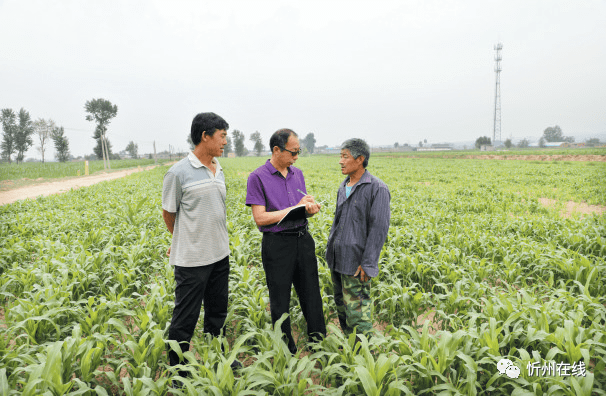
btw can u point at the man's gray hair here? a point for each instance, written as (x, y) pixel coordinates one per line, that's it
(357, 147)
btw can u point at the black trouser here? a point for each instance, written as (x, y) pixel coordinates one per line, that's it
(291, 260)
(195, 284)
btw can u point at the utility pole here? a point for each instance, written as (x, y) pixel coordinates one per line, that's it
(496, 131)
(155, 159)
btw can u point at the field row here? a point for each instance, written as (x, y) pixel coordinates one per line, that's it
(87, 293)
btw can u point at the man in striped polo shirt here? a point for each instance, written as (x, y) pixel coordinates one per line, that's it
(194, 210)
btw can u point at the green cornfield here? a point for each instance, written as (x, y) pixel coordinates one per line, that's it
(475, 269)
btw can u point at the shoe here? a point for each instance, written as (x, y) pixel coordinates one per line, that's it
(236, 365)
(175, 384)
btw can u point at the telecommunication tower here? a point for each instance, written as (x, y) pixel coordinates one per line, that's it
(496, 132)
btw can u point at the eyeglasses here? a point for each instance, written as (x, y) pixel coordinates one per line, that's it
(293, 153)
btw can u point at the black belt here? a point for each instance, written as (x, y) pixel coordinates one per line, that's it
(299, 232)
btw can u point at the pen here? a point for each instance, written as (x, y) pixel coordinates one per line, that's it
(321, 203)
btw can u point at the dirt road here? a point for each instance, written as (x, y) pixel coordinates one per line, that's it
(61, 186)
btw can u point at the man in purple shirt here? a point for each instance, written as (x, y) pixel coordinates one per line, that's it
(288, 251)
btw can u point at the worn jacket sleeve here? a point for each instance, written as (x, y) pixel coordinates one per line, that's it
(378, 227)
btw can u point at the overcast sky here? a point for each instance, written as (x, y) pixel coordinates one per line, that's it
(385, 71)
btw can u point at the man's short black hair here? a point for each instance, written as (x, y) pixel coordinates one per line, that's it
(357, 147)
(207, 123)
(280, 137)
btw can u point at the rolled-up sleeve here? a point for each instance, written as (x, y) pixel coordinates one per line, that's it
(378, 226)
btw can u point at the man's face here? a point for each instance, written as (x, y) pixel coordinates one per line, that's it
(286, 158)
(349, 165)
(215, 143)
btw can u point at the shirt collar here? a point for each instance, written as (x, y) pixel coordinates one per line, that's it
(272, 169)
(364, 179)
(195, 162)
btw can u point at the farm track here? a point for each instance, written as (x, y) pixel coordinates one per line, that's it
(61, 186)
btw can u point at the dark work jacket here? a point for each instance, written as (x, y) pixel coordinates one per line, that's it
(360, 226)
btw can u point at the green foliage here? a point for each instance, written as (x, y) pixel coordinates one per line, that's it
(61, 144)
(132, 149)
(239, 143)
(10, 129)
(101, 111)
(23, 139)
(256, 138)
(310, 142)
(523, 143)
(481, 141)
(87, 292)
(554, 134)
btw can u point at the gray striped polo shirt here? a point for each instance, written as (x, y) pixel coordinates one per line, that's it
(198, 198)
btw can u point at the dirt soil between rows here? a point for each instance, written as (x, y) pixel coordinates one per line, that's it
(61, 186)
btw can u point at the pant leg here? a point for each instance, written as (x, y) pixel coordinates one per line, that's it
(337, 286)
(358, 306)
(191, 284)
(279, 263)
(215, 298)
(307, 284)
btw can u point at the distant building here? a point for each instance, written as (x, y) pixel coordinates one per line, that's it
(486, 147)
(436, 147)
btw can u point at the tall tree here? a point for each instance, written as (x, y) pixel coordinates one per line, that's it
(592, 142)
(396, 145)
(23, 137)
(238, 142)
(132, 149)
(481, 141)
(103, 149)
(44, 130)
(101, 111)
(61, 144)
(554, 134)
(256, 137)
(508, 143)
(523, 143)
(9, 126)
(310, 142)
(227, 148)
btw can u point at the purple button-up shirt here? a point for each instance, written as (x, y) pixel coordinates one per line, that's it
(268, 187)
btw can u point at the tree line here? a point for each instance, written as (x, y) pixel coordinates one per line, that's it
(19, 130)
(235, 144)
(550, 134)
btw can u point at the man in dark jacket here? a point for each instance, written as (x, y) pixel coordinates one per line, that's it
(357, 236)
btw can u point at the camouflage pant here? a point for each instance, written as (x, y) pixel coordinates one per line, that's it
(354, 307)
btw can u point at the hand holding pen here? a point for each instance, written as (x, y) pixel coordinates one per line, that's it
(311, 206)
